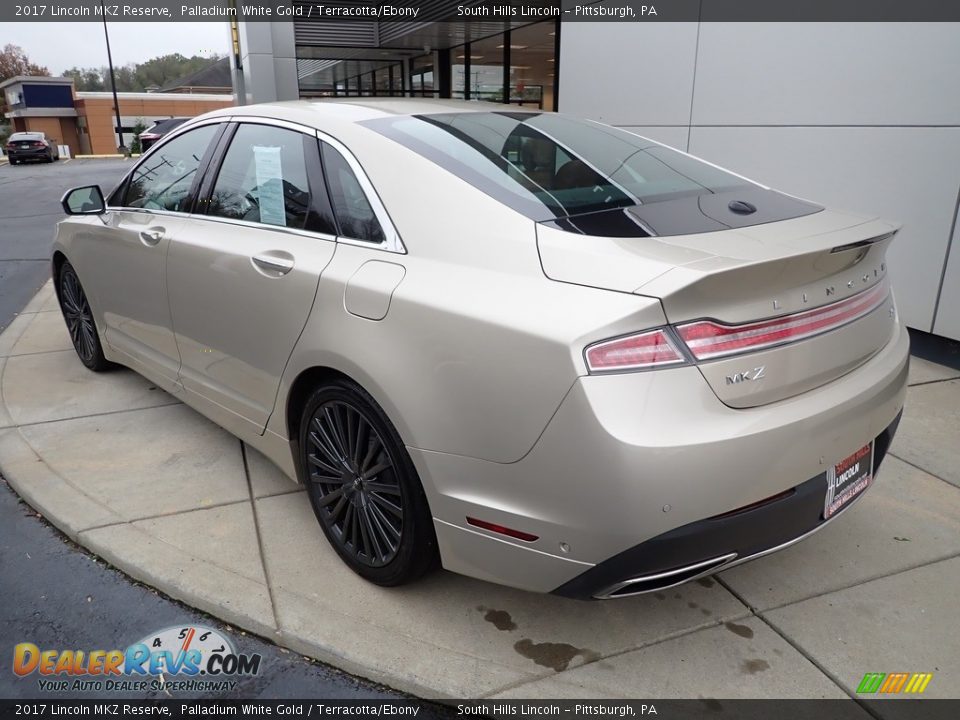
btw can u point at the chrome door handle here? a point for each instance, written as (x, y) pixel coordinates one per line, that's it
(151, 236)
(273, 263)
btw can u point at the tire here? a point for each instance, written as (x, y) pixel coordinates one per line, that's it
(363, 486)
(79, 319)
(14, 162)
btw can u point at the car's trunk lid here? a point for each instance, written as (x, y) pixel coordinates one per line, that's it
(744, 275)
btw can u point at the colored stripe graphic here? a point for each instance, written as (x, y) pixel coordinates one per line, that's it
(871, 682)
(918, 682)
(892, 683)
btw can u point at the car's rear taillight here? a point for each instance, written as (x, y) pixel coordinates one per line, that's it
(708, 339)
(644, 350)
(37, 144)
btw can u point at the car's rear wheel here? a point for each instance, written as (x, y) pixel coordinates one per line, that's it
(14, 162)
(363, 486)
(79, 318)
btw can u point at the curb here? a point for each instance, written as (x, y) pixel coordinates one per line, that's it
(146, 559)
(56, 499)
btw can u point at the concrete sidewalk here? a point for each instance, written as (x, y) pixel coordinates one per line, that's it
(126, 470)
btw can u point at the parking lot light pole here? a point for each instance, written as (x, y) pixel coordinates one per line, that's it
(113, 80)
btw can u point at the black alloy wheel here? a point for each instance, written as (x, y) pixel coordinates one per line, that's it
(79, 319)
(363, 486)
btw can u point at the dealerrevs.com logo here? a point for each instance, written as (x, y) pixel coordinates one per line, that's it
(186, 658)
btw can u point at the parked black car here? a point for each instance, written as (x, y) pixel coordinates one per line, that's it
(150, 136)
(31, 146)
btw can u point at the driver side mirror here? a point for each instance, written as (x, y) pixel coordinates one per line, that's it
(86, 200)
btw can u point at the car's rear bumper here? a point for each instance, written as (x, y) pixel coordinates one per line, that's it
(40, 153)
(630, 459)
(708, 546)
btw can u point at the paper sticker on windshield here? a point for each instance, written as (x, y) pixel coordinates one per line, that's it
(269, 184)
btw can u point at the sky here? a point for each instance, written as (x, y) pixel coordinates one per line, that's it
(62, 45)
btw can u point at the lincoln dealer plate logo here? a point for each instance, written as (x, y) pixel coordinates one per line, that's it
(184, 657)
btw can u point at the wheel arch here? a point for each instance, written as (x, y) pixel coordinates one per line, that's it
(57, 262)
(300, 390)
(317, 373)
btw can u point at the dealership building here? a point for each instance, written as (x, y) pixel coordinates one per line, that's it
(858, 116)
(85, 122)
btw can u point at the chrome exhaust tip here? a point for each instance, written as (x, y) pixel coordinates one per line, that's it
(667, 579)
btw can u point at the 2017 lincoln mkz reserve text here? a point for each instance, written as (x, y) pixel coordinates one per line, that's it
(542, 351)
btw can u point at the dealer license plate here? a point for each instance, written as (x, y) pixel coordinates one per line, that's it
(848, 479)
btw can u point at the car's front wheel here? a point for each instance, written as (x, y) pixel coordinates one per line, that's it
(79, 318)
(363, 486)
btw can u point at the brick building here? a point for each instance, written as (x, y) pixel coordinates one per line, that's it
(85, 120)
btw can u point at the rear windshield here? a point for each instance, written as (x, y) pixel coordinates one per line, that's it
(551, 166)
(26, 136)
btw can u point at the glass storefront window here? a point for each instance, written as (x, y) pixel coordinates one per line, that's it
(486, 69)
(532, 65)
(382, 81)
(421, 76)
(458, 72)
(472, 70)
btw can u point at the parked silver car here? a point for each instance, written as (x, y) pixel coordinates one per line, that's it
(543, 351)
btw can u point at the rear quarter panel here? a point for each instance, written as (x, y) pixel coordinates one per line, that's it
(478, 348)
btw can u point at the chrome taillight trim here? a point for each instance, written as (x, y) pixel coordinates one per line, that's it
(843, 312)
(671, 342)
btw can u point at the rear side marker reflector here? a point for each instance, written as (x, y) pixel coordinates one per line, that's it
(501, 529)
(634, 352)
(708, 340)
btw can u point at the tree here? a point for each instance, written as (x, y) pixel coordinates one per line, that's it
(85, 78)
(135, 148)
(139, 77)
(14, 61)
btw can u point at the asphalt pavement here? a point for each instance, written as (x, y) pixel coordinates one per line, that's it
(29, 211)
(57, 596)
(52, 593)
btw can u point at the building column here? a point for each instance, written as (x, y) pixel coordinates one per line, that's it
(268, 63)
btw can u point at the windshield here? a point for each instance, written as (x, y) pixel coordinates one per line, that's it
(550, 166)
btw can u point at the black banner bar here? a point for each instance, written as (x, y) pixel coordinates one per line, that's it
(892, 709)
(510, 11)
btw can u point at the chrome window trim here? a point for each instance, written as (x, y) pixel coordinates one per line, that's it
(393, 243)
(168, 213)
(263, 226)
(284, 125)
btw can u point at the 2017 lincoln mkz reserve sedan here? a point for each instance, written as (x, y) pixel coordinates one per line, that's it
(536, 349)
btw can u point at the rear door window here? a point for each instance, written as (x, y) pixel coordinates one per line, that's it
(264, 179)
(355, 214)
